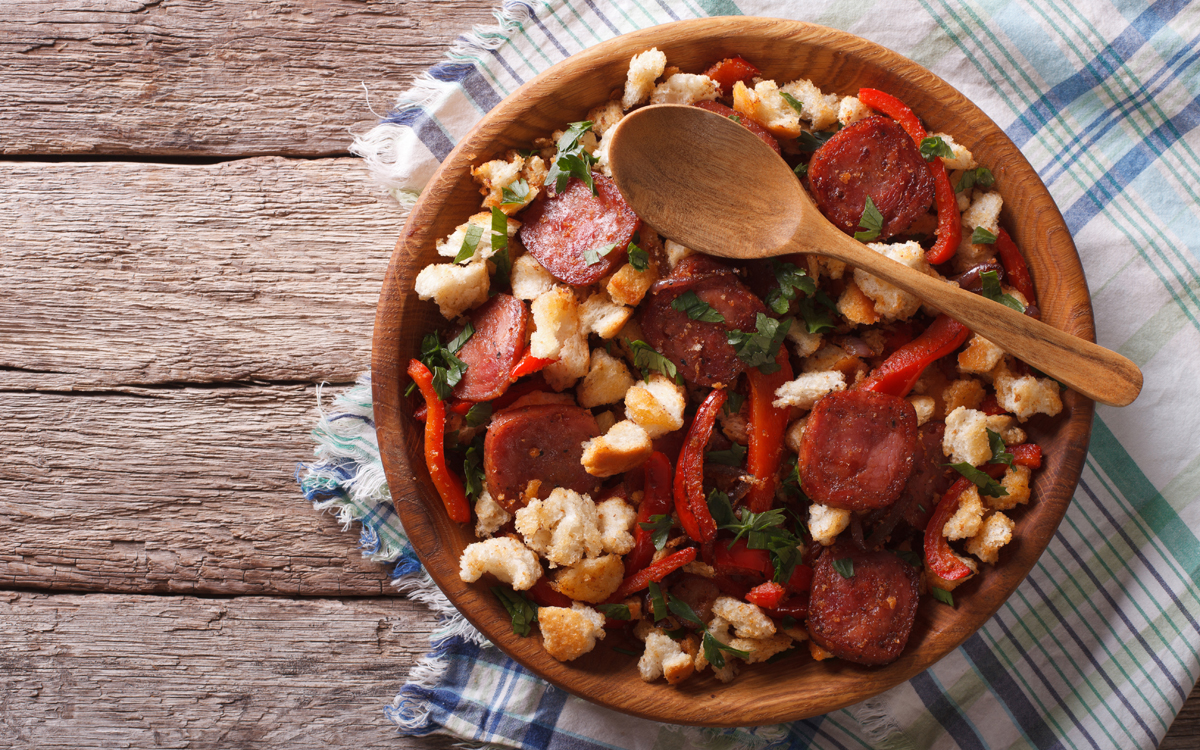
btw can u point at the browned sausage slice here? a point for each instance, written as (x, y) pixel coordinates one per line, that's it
(494, 349)
(857, 449)
(542, 443)
(930, 477)
(867, 617)
(560, 230)
(699, 349)
(872, 157)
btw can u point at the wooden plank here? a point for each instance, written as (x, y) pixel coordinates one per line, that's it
(123, 273)
(179, 490)
(180, 672)
(1185, 731)
(198, 78)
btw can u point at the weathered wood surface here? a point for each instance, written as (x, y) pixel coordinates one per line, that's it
(201, 78)
(144, 672)
(180, 490)
(123, 273)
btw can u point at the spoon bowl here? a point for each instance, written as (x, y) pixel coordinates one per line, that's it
(710, 184)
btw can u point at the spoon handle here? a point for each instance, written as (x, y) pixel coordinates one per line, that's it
(1098, 373)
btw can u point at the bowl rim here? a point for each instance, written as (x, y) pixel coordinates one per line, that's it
(397, 441)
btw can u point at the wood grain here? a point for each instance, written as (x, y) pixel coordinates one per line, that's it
(257, 269)
(790, 689)
(198, 78)
(180, 490)
(111, 671)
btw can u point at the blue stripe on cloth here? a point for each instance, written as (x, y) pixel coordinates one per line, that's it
(667, 9)
(1109, 59)
(471, 80)
(1006, 689)
(1120, 112)
(592, 6)
(1133, 631)
(1097, 667)
(1141, 556)
(504, 64)
(427, 129)
(1031, 663)
(542, 734)
(1133, 163)
(945, 712)
(537, 20)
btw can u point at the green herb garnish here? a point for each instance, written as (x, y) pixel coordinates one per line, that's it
(638, 258)
(844, 567)
(933, 147)
(646, 359)
(792, 102)
(520, 609)
(446, 368)
(660, 526)
(791, 279)
(615, 611)
(760, 348)
(593, 256)
(992, 290)
(658, 604)
(999, 454)
(696, 308)
(572, 159)
(871, 223)
(987, 486)
(981, 176)
(713, 649)
(516, 194)
(470, 243)
(942, 595)
(735, 455)
(982, 236)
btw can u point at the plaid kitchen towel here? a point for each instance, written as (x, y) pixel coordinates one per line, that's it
(1098, 648)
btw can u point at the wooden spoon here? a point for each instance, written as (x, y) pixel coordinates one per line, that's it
(708, 183)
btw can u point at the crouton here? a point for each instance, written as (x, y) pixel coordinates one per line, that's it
(966, 437)
(603, 317)
(555, 320)
(825, 522)
(984, 212)
(505, 558)
(563, 528)
(766, 106)
(489, 515)
(962, 158)
(1026, 395)
(628, 285)
(607, 115)
(808, 388)
(685, 88)
(656, 405)
(795, 434)
(980, 356)
(856, 307)
(994, 533)
(924, 406)
(570, 633)
(496, 175)
(733, 426)
(529, 279)
(967, 393)
(821, 110)
(624, 447)
(590, 580)
(616, 524)
(482, 248)
(664, 657)
(851, 110)
(1005, 426)
(644, 69)
(718, 628)
(606, 381)
(1016, 481)
(676, 252)
(829, 357)
(571, 365)
(831, 267)
(760, 649)
(965, 521)
(454, 288)
(605, 421)
(747, 619)
(892, 303)
(805, 343)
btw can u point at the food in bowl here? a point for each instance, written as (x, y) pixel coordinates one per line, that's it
(625, 411)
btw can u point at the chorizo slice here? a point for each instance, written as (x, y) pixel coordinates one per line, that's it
(494, 349)
(857, 450)
(541, 443)
(930, 478)
(872, 157)
(868, 617)
(561, 230)
(699, 349)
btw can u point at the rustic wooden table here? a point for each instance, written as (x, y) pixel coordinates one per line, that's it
(187, 250)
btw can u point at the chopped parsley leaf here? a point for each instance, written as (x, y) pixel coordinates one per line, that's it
(572, 159)
(593, 256)
(910, 557)
(871, 223)
(659, 525)
(446, 368)
(844, 567)
(500, 255)
(646, 359)
(987, 486)
(638, 258)
(981, 176)
(473, 476)
(658, 605)
(791, 279)
(733, 404)
(626, 651)
(684, 611)
(470, 243)
(516, 194)
(982, 236)
(760, 347)
(522, 612)
(814, 139)
(696, 308)
(942, 595)
(792, 102)
(615, 611)
(736, 119)
(713, 649)
(734, 456)
(933, 147)
(991, 290)
(479, 413)
(999, 454)
(801, 169)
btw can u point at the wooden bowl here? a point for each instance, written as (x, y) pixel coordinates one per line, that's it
(838, 62)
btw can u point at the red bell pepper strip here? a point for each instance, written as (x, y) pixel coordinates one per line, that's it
(900, 372)
(767, 425)
(457, 406)
(794, 606)
(768, 595)
(801, 580)
(448, 485)
(991, 406)
(690, 504)
(544, 595)
(528, 365)
(738, 559)
(939, 558)
(1027, 454)
(654, 573)
(655, 501)
(1016, 272)
(949, 230)
(731, 70)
